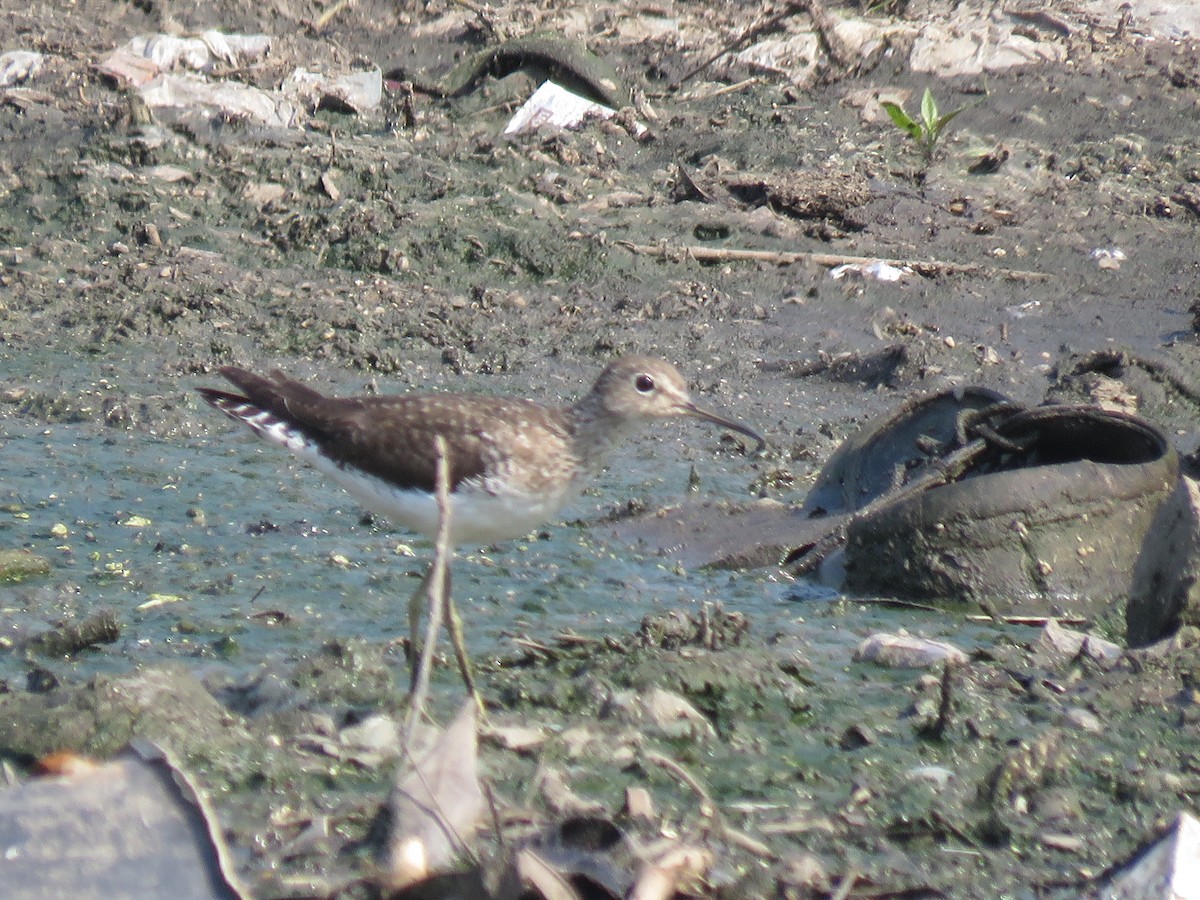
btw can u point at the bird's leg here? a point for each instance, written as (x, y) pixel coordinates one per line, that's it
(455, 628)
(415, 604)
(437, 580)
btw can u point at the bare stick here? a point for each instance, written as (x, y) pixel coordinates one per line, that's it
(708, 806)
(927, 267)
(326, 16)
(760, 28)
(435, 584)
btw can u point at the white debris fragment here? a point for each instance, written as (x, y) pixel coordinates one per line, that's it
(201, 52)
(904, 651)
(552, 105)
(1168, 870)
(226, 98)
(17, 66)
(357, 91)
(878, 270)
(938, 776)
(966, 43)
(1108, 257)
(148, 55)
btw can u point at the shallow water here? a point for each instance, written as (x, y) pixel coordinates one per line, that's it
(218, 550)
(195, 540)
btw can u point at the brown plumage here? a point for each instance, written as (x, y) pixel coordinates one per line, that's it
(513, 463)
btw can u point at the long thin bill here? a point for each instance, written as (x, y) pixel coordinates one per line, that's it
(701, 413)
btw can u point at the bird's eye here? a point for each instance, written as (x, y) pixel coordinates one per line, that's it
(644, 384)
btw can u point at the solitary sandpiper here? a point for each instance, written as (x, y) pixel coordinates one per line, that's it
(513, 464)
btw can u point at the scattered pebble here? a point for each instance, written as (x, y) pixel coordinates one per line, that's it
(904, 651)
(667, 713)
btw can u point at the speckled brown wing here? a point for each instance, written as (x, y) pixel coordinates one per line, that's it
(393, 437)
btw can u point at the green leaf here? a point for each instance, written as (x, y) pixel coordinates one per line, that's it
(945, 120)
(901, 119)
(929, 110)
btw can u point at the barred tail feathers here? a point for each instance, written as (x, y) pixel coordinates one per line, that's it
(262, 422)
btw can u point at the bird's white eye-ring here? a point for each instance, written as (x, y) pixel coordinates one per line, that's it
(644, 384)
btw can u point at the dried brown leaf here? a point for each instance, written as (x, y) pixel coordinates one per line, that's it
(435, 806)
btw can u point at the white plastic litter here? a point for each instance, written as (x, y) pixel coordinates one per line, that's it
(358, 91)
(227, 98)
(878, 270)
(201, 52)
(17, 66)
(552, 105)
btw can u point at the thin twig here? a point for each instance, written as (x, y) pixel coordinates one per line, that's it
(703, 94)
(1032, 621)
(937, 729)
(326, 16)
(927, 267)
(708, 806)
(764, 27)
(846, 886)
(535, 646)
(458, 641)
(897, 603)
(435, 588)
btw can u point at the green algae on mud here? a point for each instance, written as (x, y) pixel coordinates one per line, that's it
(21, 565)
(809, 752)
(451, 255)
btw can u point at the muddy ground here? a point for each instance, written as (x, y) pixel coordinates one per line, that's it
(414, 246)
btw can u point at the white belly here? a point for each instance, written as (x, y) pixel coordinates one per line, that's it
(476, 516)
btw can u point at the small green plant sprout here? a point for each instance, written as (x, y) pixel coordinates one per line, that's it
(927, 130)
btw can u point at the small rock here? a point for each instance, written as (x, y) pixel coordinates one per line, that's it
(1055, 640)
(518, 738)
(562, 800)
(1083, 719)
(669, 714)
(638, 804)
(903, 651)
(371, 741)
(808, 871)
(938, 776)
(856, 737)
(1069, 843)
(577, 740)
(18, 565)
(40, 680)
